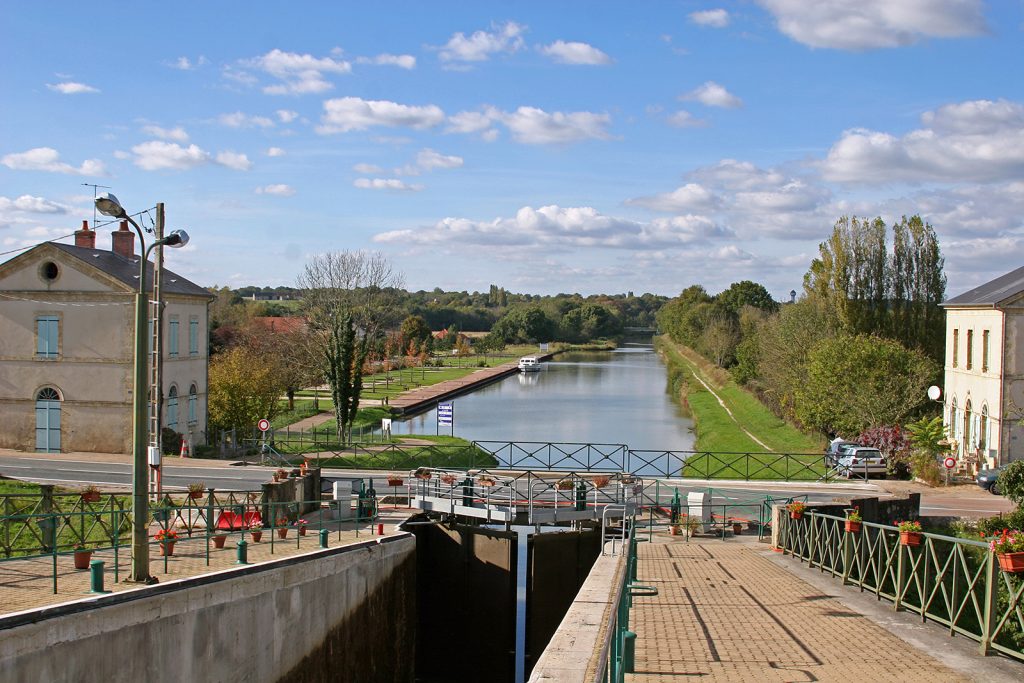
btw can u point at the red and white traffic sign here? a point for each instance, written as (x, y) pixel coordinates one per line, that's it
(263, 425)
(950, 463)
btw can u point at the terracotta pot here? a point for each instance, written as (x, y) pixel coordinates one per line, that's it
(674, 529)
(395, 482)
(1012, 563)
(302, 531)
(910, 538)
(218, 541)
(82, 558)
(195, 495)
(167, 548)
(256, 536)
(793, 514)
(737, 528)
(282, 532)
(93, 497)
(853, 527)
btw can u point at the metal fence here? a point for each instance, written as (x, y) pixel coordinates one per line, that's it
(955, 582)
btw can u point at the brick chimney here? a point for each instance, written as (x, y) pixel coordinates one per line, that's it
(123, 241)
(85, 237)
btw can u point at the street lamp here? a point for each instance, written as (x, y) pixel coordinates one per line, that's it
(108, 205)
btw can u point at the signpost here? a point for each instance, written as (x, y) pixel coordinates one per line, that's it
(264, 426)
(950, 463)
(445, 417)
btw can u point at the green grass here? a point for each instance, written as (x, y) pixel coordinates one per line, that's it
(444, 451)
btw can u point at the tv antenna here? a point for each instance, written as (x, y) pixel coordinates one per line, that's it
(94, 187)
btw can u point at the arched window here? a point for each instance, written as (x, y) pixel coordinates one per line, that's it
(983, 430)
(193, 399)
(954, 433)
(48, 420)
(967, 445)
(172, 408)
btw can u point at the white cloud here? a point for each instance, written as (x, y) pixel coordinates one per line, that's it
(684, 119)
(72, 88)
(242, 120)
(385, 184)
(367, 169)
(234, 160)
(29, 204)
(428, 159)
(980, 141)
(286, 115)
(185, 64)
(156, 155)
(48, 159)
(712, 94)
(401, 61)
(575, 53)
(715, 18)
(278, 190)
(691, 197)
(354, 113)
(301, 73)
(731, 174)
(275, 152)
(481, 45)
(176, 134)
(469, 122)
(537, 127)
(871, 24)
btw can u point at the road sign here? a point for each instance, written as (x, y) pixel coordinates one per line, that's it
(445, 414)
(950, 463)
(263, 425)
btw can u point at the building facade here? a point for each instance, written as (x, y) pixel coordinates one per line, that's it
(984, 372)
(67, 333)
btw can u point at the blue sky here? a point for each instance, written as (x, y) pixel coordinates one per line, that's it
(542, 147)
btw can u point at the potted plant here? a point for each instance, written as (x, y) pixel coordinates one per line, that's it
(674, 529)
(796, 509)
(166, 538)
(282, 527)
(564, 485)
(910, 532)
(195, 490)
(600, 481)
(485, 480)
(280, 475)
(90, 494)
(1009, 549)
(423, 474)
(853, 521)
(219, 539)
(395, 480)
(737, 527)
(449, 478)
(302, 526)
(256, 531)
(82, 556)
(692, 524)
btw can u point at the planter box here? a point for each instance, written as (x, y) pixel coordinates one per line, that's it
(910, 538)
(1012, 563)
(853, 527)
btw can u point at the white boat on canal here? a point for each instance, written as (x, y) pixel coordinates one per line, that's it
(529, 364)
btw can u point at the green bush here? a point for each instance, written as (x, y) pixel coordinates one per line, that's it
(993, 525)
(925, 467)
(1011, 482)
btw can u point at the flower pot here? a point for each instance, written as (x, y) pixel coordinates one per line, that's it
(395, 482)
(1012, 563)
(910, 538)
(82, 558)
(282, 532)
(302, 531)
(256, 536)
(91, 497)
(674, 529)
(195, 495)
(218, 540)
(167, 548)
(793, 514)
(853, 527)
(737, 528)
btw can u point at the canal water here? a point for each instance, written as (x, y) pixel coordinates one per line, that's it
(598, 397)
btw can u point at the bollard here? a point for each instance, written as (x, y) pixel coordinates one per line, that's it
(96, 577)
(628, 652)
(380, 529)
(324, 534)
(581, 497)
(243, 552)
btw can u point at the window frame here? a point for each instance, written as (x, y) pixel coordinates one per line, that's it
(193, 336)
(57, 329)
(173, 336)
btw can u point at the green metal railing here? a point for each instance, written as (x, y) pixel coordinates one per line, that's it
(955, 582)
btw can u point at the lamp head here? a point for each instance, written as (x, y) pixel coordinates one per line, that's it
(934, 393)
(177, 238)
(108, 205)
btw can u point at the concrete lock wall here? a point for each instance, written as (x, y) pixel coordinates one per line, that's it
(345, 613)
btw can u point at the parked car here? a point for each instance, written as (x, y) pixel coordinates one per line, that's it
(987, 479)
(836, 449)
(860, 461)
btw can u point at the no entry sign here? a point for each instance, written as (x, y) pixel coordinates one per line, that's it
(950, 463)
(263, 425)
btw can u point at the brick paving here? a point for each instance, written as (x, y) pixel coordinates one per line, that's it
(28, 584)
(724, 612)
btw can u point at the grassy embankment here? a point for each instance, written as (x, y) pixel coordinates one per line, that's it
(724, 440)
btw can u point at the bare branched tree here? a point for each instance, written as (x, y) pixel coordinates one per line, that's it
(348, 299)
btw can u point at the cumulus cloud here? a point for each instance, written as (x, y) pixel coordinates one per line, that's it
(234, 160)
(979, 141)
(385, 184)
(48, 159)
(872, 24)
(691, 197)
(428, 160)
(684, 119)
(562, 227)
(186, 64)
(714, 18)
(279, 190)
(469, 122)
(401, 61)
(72, 88)
(275, 152)
(29, 204)
(242, 120)
(301, 73)
(157, 155)
(367, 169)
(712, 94)
(286, 115)
(479, 46)
(354, 113)
(575, 53)
(537, 127)
(177, 134)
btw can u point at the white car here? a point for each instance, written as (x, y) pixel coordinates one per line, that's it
(860, 461)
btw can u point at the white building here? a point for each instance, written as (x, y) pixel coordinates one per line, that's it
(67, 333)
(984, 372)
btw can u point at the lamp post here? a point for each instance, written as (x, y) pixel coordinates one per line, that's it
(108, 205)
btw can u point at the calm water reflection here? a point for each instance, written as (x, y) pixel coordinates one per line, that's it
(615, 397)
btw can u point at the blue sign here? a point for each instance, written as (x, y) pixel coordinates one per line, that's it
(445, 414)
